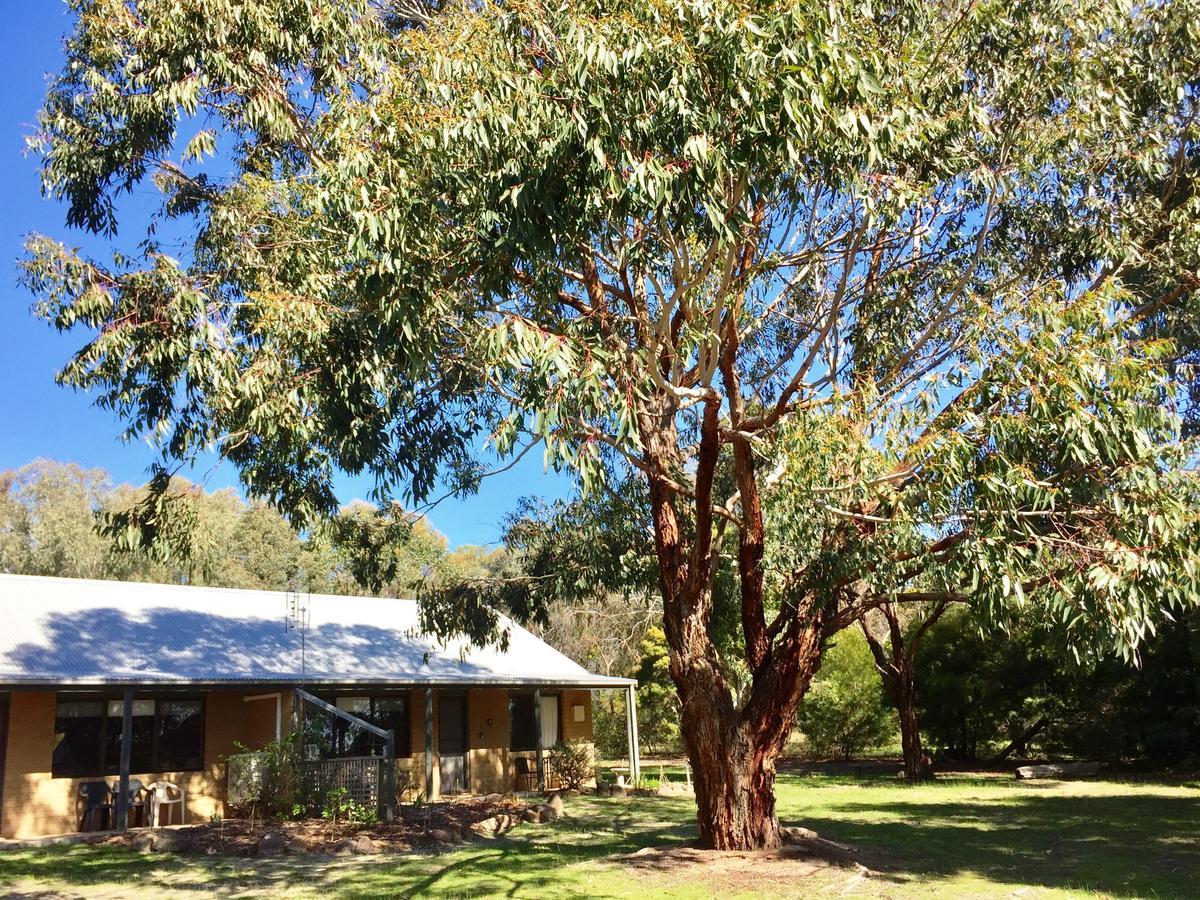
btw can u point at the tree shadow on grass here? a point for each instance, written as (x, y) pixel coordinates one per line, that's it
(529, 862)
(1127, 845)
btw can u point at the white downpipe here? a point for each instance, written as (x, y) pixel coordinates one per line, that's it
(278, 698)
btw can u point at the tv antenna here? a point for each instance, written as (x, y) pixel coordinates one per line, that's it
(296, 618)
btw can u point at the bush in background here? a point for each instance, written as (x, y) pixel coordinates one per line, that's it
(844, 711)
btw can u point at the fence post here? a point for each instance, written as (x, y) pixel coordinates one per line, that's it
(389, 775)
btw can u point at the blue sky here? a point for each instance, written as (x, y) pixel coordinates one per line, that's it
(40, 419)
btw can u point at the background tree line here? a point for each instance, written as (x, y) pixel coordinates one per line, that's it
(55, 518)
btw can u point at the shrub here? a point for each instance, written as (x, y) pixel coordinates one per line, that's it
(269, 783)
(340, 808)
(572, 763)
(844, 711)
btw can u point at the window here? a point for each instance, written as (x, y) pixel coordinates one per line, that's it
(168, 736)
(521, 719)
(78, 738)
(180, 735)
(334, 737)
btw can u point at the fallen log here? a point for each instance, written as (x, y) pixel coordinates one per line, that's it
(1059, 770)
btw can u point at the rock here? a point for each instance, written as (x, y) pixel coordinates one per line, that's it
(301, 843)
(1059, 770)
(142, 842)
(168, 842)
(446, 835)
(364, 846)
(344, 847)
(556, 803)
(271, 843)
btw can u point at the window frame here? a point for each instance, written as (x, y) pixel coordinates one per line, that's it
(98, 769)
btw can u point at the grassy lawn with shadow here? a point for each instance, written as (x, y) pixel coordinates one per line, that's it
(960, 837)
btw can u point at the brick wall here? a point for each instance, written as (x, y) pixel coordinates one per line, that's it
(36, 803)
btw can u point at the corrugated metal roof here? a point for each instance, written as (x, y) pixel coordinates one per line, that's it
(75, 632)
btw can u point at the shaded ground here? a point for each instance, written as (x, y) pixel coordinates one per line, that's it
(417, 827)
(960, 837)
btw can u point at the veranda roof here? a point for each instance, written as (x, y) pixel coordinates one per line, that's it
(68, 632)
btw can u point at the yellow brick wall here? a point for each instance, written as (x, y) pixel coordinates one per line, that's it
(572, 730)
(35, 803)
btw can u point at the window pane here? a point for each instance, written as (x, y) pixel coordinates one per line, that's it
(141, 756)
(78, 730)
(180, 735)
(116, 708)
(392, 712)
(520, 713)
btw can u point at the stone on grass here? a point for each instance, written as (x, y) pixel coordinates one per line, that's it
(364, 846)
(168, 842)
(271, 843)
(301, 843)
(142, 842)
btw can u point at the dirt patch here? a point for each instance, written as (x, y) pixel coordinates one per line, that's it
(429, 827)
(764, 871)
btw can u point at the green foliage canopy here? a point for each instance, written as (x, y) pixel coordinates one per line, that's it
(895, 261)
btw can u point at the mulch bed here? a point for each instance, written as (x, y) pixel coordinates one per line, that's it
(427, 827)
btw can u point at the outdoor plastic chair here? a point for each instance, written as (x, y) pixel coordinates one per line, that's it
(137, 799)
(97, 799)
(165, 794)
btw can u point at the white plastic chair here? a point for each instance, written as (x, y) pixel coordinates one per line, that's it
(166, 794)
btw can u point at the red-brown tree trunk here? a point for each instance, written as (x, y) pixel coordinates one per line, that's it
(732, 747)
(918, 766)
(735, 793)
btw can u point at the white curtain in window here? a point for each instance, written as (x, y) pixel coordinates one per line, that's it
(549, 721)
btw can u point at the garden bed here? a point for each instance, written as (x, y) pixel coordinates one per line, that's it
(426, 827)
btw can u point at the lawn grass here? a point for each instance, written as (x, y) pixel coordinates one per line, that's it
(960, 837)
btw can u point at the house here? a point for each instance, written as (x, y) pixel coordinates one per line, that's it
(173, 681)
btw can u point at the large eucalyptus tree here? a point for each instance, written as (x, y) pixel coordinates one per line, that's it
(872, 259)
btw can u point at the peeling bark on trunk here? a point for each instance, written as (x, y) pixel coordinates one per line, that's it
(918, 766)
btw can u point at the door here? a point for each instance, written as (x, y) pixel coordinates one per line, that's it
(452, 743)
